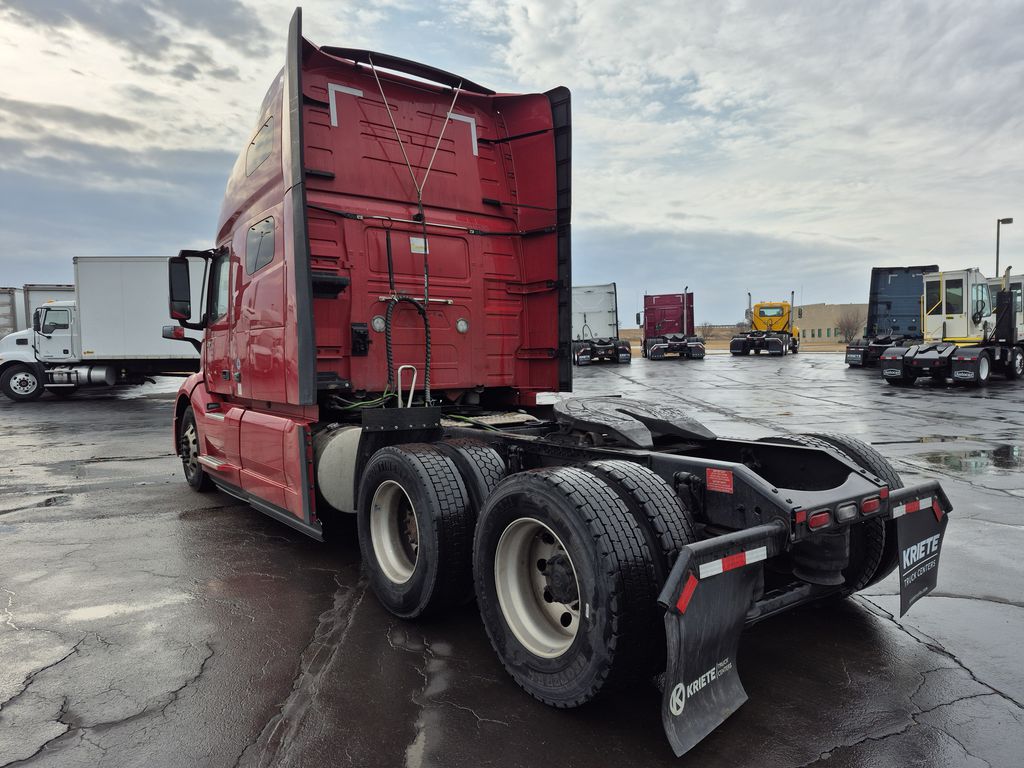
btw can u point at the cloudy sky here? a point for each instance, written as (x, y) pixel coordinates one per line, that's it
(728, 146)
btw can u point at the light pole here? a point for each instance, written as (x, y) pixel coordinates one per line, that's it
(999, 223)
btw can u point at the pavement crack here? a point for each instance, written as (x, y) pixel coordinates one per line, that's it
(328, 639)
(58, 719)
(27, 682)
(479, 718)
(8, 614)
(933, 645)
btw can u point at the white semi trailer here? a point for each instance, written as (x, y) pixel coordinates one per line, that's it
(18, 304)
(595, 326)
(108, 333)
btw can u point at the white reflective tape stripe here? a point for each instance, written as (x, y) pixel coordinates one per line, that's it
(757, 555)
(333, 88)
(901, 510)
(710, 569)
(472, 127)
(716, 567)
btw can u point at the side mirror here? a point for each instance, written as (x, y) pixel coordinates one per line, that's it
(177, 333)
(35, 320)
(638, 318)
(800, 313)
(748, 314)
(179, 288)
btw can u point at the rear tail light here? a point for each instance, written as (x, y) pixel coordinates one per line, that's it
(846, 512)
(819, 519)
(870, 505)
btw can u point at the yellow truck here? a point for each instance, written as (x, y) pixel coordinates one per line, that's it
(771, 329)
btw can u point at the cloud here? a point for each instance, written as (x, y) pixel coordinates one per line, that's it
(141, 25)
(721, 145)
(39, 116)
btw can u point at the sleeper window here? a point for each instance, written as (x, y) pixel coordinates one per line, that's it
(259, 245)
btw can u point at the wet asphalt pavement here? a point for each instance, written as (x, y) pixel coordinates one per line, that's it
(142, 624)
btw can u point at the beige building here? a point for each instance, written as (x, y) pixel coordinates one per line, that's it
(823, 323)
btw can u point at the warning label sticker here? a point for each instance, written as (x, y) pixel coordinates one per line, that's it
(719, 480)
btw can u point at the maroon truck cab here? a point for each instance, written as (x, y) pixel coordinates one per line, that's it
(668, 327)
(388, 293)
(385, 221)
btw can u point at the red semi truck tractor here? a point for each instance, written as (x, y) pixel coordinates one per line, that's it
(387, 294)
(668, 329)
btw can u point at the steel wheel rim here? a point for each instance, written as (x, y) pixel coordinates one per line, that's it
(983, 368)
(24, 383)
(190, 451)
(545, 627)
(394, 531)
(1018, 363)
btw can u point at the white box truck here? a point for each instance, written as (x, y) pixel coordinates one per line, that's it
(109, 332)
(595, 326)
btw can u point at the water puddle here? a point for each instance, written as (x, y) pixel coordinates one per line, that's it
(991, 461)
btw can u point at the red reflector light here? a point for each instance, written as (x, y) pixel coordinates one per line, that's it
(801, 516)
(819, 519)
(869, 505)
(884, 493)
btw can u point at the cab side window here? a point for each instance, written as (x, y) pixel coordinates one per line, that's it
(955, 297)
(932, 298)
(221, 271)
(56, 320)
(981, 298)
(259, 245)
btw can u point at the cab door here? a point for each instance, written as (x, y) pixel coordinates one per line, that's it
(933, 317)
(218, 326)
(215, 427)
(55, 339)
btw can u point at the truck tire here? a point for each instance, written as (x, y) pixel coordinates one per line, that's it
(984, 369)
(659, 513)
(21, 383)
(662, 519)
(415, 530)
(1015, 365)
(480, 466)
(188, 449)
(564, 583)
(874, 549)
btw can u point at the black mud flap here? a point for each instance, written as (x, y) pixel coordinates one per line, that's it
(920, 526)
(707, 597)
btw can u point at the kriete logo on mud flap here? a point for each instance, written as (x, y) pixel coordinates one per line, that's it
(684, 691)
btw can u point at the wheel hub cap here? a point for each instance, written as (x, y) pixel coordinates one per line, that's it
(24, 383)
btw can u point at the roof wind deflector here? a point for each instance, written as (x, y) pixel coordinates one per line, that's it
(396, 64)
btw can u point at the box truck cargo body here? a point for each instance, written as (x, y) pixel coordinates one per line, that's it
(107, 332)
(12, 310)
